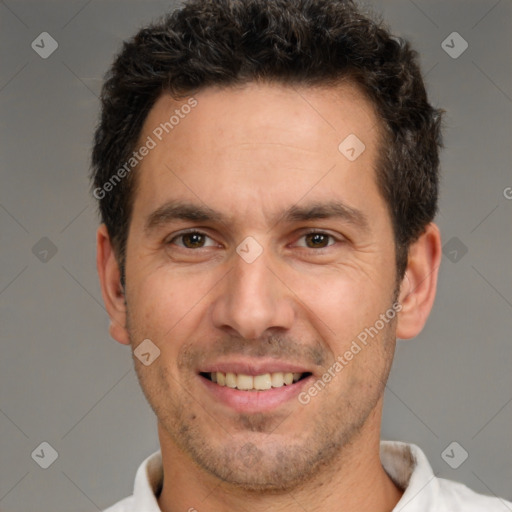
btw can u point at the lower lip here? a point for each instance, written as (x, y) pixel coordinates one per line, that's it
(254, 401)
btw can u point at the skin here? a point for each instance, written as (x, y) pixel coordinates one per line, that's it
(251, 152)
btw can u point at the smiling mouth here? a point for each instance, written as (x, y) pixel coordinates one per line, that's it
(254, 382)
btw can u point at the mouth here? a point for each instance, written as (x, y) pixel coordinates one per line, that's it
(253, 388)
(262, 382)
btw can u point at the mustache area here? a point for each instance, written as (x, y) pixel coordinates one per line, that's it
(195, 355)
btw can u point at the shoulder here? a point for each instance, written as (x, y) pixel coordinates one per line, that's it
(409, 468)
(148, 481)
(125, 505)
(456, 497)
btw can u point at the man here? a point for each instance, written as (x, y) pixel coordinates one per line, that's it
(267, 176)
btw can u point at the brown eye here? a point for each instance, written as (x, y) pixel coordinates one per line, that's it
(317, 240)
(191, 240)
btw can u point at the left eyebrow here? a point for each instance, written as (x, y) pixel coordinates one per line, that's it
(332, 209)
(182, 210)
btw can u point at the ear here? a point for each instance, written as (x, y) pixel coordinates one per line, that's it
(418, 287)
(111, 289)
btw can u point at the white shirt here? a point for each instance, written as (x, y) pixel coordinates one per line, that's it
(405, 463)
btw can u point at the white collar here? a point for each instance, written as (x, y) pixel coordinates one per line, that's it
(406, 464)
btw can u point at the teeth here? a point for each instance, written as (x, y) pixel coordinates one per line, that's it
(244, 381)
(258, 382)
(277, 380)
(262, 382)
(230, 380)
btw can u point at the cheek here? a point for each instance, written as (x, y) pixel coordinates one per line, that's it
(161, 306)
(342, 304)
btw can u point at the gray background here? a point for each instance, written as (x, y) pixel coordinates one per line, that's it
(64, 381)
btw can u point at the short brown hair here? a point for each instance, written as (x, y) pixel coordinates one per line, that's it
(303, 42)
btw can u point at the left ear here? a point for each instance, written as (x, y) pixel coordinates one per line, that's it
(418, 287)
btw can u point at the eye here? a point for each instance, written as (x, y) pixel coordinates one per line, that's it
(198, 240)
(191, 240)
(317, 240)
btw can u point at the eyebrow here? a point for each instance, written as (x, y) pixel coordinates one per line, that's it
(182, 210)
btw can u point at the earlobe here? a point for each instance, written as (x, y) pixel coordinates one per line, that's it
(418, 287)
(111, 289)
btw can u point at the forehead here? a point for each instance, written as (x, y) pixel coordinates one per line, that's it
(257, 112)
(246, 148)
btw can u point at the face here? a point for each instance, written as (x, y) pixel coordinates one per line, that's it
(258, 254)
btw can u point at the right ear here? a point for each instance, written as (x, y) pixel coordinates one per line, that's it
(111, 289)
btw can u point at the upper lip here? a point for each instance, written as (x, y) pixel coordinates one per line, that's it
(254, 367)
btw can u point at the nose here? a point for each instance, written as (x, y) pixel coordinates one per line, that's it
(253, 298)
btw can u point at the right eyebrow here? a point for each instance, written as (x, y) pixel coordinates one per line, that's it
(178, 210)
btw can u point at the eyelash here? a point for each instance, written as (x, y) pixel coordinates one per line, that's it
(197, 232)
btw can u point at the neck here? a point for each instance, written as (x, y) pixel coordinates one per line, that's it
(354, 481)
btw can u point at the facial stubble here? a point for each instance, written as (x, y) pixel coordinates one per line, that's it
(252, 452)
